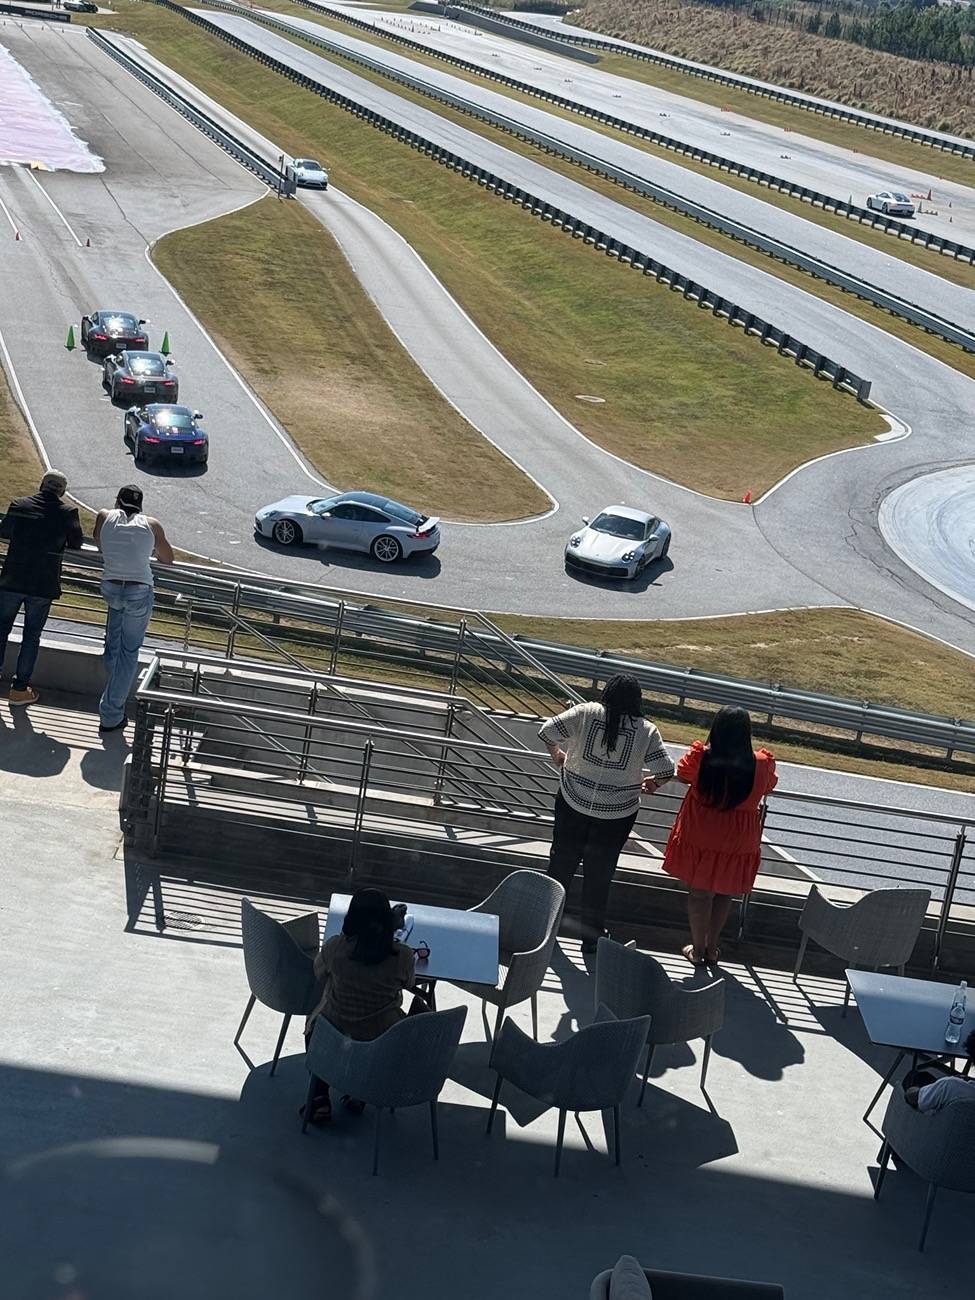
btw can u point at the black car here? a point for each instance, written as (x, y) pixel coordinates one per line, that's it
(103, 332)
(162, 431)
(80, 6)
(135, 376)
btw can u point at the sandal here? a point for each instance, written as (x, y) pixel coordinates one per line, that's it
(353, 1104)
(320, 1115)
(690, 953)
(712, 957)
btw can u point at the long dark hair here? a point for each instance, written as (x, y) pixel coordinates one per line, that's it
(621, 698)
(728, 767)
(369, 926)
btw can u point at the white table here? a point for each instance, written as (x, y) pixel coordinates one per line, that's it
(463, 945)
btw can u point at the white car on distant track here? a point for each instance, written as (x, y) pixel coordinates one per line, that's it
(309, 173)
(892, 203)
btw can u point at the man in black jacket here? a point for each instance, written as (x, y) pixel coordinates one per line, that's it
(37, 530)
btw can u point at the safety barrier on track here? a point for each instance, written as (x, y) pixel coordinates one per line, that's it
(840, 112)
(279, 181)
(776, 248)
(816, 198)
(42, 15)
(723, 308)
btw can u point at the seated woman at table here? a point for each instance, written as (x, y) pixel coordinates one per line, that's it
(934, 1086)
(366, 972)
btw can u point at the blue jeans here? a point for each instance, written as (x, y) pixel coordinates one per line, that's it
(129, 610)
(36, 610)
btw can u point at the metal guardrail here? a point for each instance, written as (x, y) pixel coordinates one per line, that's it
(714, 220)
(335, 631)
(816, 198)
(279, 181)
(258, 763)
(840, 112)
(722, 308)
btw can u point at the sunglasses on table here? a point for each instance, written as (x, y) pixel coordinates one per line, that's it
(422, 951)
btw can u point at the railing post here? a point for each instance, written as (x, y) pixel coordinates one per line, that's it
(163, 770)
(953, 873)
(187, 622)
(234, 610)
(360, 807)
(336, 639)
(455, 671)
(306, 743)
(442, 764)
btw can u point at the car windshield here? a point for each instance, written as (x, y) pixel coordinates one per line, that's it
(901, 198)
(310, 163)
(141, 364)
(618, 526)
(173, 419)
(319, 507)
(121, 321)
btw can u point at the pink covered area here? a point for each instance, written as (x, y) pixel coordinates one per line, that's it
(32, 130)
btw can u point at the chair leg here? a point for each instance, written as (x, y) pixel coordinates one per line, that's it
(535, 1016)
(882, 1171)
(375, 1148)
(846, 999)
(646, 1071)
(928, 1207)
(561, 1139)
(901, 968)
(705, 1061)
(433, 1130)
(309, 1099)
(494, 1104)
(800, 958)
(277, 1050)
(240, 1028)
(616, 1133)
(497, 1022)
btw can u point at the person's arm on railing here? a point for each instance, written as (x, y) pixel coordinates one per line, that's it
(96, 532)
(658, 768)
(74, 537)
(164, 552)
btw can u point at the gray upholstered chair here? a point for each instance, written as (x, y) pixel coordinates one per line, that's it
(938, 1145)
(879, 929)
(279, 973)
(633, 983)
(528, 906)
(623, 1281)
(589, 1071)
(405, 1066)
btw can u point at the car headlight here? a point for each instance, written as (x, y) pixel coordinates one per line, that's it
(269, 514)
(630, 555)
(575, 541)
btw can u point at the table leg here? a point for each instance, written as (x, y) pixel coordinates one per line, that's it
(884, 1082)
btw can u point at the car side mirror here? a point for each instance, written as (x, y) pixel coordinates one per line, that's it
(143, 322)
(326, 514)
(170, 361)
(585, 519)
(197, 415)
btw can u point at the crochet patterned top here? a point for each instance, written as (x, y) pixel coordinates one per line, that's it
(597, 781)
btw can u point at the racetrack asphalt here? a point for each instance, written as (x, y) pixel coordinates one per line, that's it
(162, 174)
(791, 155)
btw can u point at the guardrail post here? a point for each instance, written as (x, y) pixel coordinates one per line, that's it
(442, 764)
(953, 873)
(337, 638)
(187, 622)
(455, 670)
(360, 807)
(234, 610)
(306, 743)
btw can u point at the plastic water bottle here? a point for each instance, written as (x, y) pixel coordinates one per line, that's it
(956, 1016)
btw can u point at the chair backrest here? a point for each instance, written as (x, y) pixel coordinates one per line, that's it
(632, 983)
(597, 1064)
(405, 1066)
(279, 974)
(686, 1286)
(884, 926)
(938, 1145)
(528, 906)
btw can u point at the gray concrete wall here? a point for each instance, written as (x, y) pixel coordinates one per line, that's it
(73, 667)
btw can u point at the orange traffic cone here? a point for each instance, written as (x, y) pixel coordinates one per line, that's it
(747, 498)
(87, 243)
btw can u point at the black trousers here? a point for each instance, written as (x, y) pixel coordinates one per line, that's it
(595, 844)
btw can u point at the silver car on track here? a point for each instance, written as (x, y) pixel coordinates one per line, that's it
(352, 521)
(892, 203)
(619, 543)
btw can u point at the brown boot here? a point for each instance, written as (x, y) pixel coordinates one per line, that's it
(27, 696)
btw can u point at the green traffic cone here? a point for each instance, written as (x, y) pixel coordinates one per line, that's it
(165, 344)
(70, 341)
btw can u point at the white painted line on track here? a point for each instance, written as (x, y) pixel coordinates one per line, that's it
(8, 365)
(64, 220)
(6, 213)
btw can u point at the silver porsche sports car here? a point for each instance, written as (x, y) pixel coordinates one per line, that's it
(618, 543)
(351, 521)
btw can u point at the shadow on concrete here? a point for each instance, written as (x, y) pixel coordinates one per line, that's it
(417, 566)
(643, 581)
(102, 767)
(753, 1034)
(27, 747)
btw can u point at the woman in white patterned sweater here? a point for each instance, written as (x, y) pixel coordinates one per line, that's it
(607, 752)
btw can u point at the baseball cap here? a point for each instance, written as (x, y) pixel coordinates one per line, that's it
(130, 495)
(54, 481)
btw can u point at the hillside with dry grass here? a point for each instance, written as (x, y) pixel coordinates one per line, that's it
(931, 94)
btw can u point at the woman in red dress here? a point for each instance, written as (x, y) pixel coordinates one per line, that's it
(716, 844)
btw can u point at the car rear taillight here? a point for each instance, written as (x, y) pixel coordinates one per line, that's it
(99, 336)
(169, 383)
(197, 442)
(147, 439)
(127, 381)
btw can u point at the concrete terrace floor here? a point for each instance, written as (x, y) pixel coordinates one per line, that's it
(142, 1156)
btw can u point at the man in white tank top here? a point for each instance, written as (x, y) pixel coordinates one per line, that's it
(128, 541)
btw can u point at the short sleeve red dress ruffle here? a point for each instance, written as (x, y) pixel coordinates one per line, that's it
(713, 848)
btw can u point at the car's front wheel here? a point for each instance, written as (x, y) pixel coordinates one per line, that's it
(386, 549)
(287, 532)
(885, 210)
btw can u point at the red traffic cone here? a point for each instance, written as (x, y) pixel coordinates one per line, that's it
(747, 498)
(87, 243)
(17, 236)
(929, 196)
